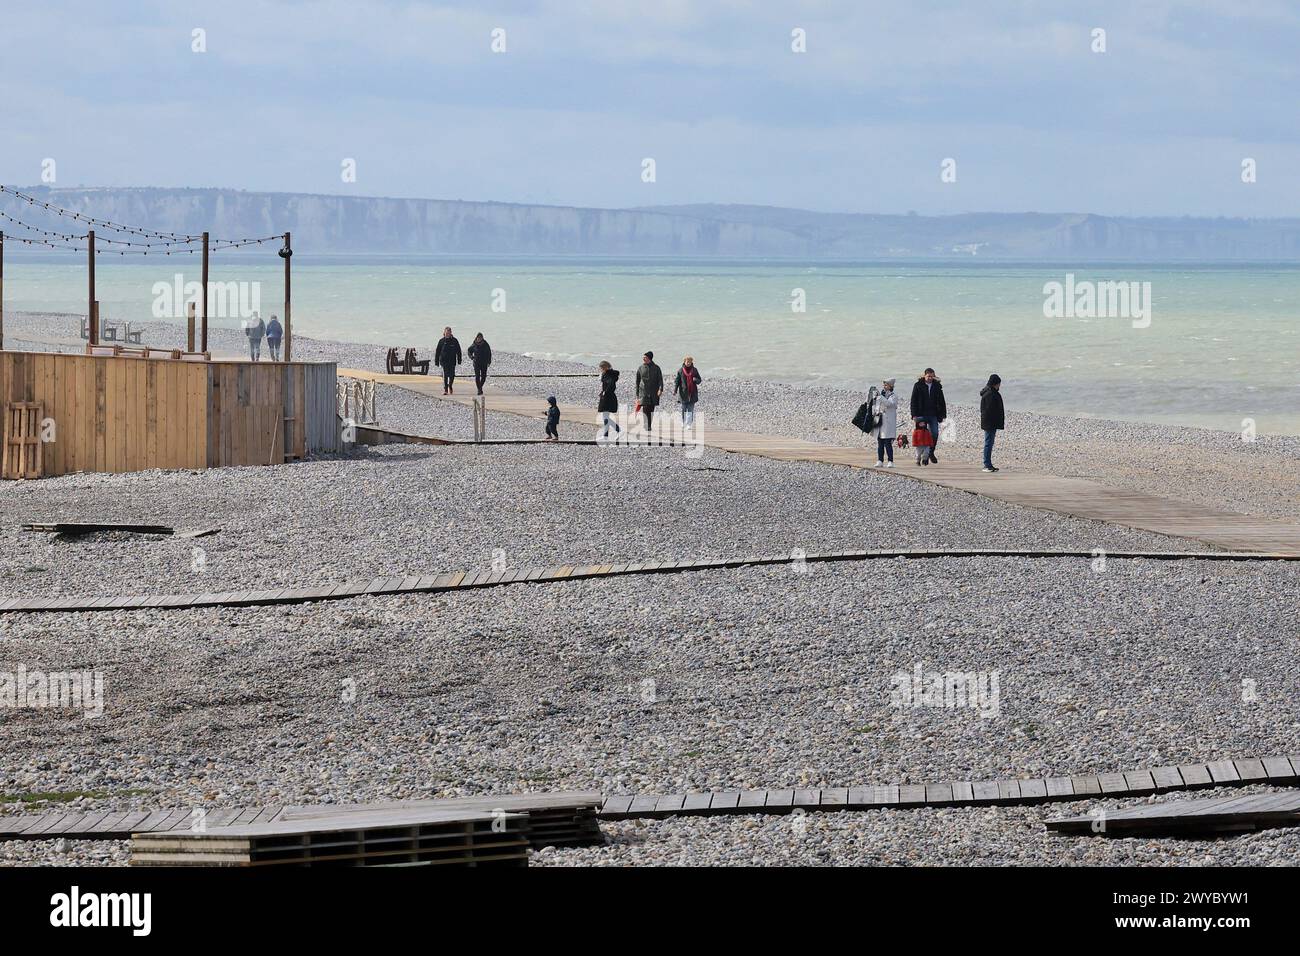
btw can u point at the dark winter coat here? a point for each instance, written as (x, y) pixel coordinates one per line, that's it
(608, 394)
(992, 414)
(274, 331)
(928, 401)
(552, 415)
(680, 384)
(447, 354)
(480, 353)
(649, 383)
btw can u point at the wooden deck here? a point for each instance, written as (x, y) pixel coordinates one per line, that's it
(1072, 496)
(486, 577)
(564, 815)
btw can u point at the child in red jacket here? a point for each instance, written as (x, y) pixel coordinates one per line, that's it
(923, 442)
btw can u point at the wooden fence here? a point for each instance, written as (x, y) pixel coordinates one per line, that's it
(117, 414)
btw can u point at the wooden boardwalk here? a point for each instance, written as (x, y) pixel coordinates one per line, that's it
(1233, 814)
(486, 577)
(564, 813)
(1071, 496)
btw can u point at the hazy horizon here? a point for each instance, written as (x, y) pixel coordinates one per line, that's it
(675, 208)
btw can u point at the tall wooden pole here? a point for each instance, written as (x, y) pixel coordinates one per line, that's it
(2, 291)
(287, 253)
(204, 333)
(92, 317)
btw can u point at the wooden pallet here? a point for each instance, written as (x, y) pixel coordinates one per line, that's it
(464, 580)
(409, 837)
(1232, 814)
(555, 819)
(24, 452)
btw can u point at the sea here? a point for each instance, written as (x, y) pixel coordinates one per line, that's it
(1216, 346)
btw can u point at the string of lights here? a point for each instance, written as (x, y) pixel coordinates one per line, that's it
(44, 232)
(101, 223)
(68, 240)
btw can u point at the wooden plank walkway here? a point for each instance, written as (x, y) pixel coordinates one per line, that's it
(1282, 772)
(1072, 496)
(1189, 817)
(484, 577)
(1278, 771)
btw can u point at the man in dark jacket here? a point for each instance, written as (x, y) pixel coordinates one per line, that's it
(993, 417)
(928, 404)
(649, 386)
(480, 353)
(447, 356)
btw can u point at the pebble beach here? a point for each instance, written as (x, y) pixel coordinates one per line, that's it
(756, 677)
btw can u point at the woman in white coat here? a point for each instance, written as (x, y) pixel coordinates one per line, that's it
(887, 408)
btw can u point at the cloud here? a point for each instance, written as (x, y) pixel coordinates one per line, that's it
(287, 89)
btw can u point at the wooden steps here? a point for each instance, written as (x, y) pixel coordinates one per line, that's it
(486, 577)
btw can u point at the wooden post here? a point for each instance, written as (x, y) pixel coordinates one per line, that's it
(205, 294)
(189, 329)
(286, 253)
(92, 315)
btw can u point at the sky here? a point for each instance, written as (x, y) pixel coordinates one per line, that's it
(1034, 117)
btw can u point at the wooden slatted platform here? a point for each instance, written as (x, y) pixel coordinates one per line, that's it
(563, 813)
(1232, 814)
(481, 578)
(1276, 770)
(395, 837)
(1071, 496)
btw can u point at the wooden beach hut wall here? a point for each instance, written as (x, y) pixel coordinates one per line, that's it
(119, 414)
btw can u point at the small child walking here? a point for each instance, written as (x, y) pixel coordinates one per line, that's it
(552, 420)
(923, 442)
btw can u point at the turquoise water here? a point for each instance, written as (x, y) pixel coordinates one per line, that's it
(1222, 344)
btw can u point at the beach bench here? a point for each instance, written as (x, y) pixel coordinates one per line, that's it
(147, 352)
(408, 364)
(414, 365)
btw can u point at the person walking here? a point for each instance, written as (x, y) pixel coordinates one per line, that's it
(274, 336)
(480, 355)
(649, 387)
(607, 407)
(687, 388)
(256, 331)
(929, 406)
(886, 406)
(447, 356)
(993, 417)
(552, 420)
